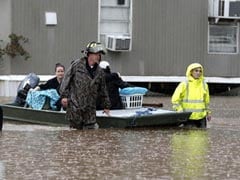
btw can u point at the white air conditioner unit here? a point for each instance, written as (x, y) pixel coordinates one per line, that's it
(118, 43)
(224, 8)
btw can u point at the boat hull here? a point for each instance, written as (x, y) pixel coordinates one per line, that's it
(118, 118)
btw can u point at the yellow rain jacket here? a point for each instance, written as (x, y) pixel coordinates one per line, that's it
(192, 95)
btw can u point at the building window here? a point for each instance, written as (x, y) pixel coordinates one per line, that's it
(115, 20)
(223, 39)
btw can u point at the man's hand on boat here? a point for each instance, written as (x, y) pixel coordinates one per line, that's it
(209, 117)
(64, 102)
(106, 111)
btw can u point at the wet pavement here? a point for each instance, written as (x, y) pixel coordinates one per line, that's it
(43, 152)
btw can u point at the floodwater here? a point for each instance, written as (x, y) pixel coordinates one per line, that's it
(43, 152)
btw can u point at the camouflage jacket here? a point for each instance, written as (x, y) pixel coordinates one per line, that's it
(82, 90)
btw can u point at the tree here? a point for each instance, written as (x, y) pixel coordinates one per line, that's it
(14, 47)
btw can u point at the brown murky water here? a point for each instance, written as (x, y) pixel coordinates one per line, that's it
(42, 152)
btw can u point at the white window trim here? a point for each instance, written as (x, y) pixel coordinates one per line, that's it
(130, 19)
(224, 53)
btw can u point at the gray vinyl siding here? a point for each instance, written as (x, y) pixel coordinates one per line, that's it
(77, 24)
(167, 35)
(172, 33)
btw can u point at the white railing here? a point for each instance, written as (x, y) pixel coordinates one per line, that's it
(9, 83)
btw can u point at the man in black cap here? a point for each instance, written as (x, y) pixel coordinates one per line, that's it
(81, 85)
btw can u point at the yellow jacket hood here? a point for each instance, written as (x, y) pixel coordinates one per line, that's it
(190, 68)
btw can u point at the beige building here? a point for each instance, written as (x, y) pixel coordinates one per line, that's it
(147, 40)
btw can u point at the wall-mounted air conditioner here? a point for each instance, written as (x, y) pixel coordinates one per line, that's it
(118, 43)
(224, 8)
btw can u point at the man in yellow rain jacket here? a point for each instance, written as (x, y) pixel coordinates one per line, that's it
(192, 95)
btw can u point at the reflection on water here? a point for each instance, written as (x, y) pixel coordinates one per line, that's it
(189, 150)
(43, 152)
(2, 170)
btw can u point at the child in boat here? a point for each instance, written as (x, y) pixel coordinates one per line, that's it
(113, 82)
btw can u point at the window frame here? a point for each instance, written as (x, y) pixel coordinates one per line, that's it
(230, 24)
(130, 23)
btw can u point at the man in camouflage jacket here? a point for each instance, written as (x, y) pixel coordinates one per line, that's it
(81, 85)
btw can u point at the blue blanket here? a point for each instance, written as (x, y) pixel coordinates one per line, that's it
(36, 99)
(133, 90)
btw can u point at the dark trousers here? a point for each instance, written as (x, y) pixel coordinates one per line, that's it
(201, 123)
(1, 118)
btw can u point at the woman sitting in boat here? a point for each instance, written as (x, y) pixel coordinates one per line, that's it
(53, 83)
(113, 82)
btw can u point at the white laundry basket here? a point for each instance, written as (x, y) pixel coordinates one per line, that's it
(132, 101)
